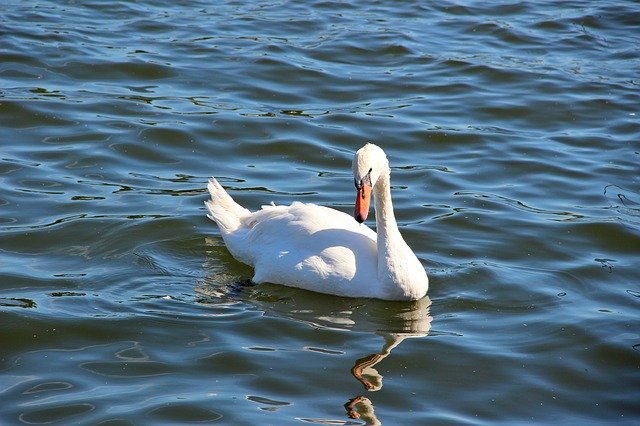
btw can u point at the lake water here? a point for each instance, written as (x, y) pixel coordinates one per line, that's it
(513, 131)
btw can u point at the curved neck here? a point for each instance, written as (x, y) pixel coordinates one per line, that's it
(399, 270)
(393, 251)
(386, 225)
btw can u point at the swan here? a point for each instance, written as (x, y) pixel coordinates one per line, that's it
(322, 249)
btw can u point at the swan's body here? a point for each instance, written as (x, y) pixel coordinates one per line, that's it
(321, 249)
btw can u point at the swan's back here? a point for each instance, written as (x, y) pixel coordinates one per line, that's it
(302, 245)
(321, 249)
(310, 246)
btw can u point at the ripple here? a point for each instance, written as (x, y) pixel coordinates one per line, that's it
(555, 215)
(267, 401)
(184, 413)
(634, 293)
(512, 132)
(324, 351)
(17, 302)
(49, 387)
(55, 414)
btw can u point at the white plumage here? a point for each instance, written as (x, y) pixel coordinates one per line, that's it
(321, 249)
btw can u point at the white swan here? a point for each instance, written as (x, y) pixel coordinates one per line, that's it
(321, 249)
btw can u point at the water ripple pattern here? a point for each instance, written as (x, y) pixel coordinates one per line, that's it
(514, 138)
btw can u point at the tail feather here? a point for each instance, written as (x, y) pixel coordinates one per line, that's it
(222, 209)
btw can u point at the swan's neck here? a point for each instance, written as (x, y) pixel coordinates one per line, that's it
(391, 246)
(386, 225)
(399, 270)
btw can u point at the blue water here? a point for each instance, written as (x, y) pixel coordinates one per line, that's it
(512, 129)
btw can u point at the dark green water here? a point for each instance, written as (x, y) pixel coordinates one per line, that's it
(514, 135)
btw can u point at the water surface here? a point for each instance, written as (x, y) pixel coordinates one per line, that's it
(512, 130)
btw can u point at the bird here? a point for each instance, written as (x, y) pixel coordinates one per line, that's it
(321, 249)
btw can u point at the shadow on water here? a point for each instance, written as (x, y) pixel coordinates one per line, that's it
(393, 321)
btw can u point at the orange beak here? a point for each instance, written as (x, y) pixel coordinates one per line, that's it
(363, 200)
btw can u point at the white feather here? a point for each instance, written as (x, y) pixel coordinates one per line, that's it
(321, 249)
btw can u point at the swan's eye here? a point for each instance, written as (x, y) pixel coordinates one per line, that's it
(365, 180)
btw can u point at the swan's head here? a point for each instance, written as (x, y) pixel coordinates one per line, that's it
(369, 163)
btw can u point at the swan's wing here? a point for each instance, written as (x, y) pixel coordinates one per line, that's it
(302, 219)
(312, 247)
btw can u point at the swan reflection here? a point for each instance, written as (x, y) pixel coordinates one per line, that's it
(393, 321)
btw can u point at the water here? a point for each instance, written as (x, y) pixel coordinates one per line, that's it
(512, 129)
